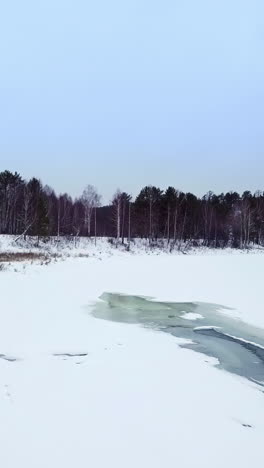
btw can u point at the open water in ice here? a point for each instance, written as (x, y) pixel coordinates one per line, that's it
(238, 346)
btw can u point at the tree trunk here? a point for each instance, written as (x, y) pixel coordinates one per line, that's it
(129, 223)
(123, 220)
(95, 226)
(118, 221)
(150, 221)
(58, 221)
(168, 228)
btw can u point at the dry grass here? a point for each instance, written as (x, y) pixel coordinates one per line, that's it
(43, 258)
(82, 255)
(8, 257)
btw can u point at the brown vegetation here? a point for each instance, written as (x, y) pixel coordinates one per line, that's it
(7, 257)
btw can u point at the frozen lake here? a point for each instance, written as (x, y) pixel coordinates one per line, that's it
(207, 328)
(102, 393)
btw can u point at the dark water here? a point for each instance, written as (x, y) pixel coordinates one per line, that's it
(239, 347)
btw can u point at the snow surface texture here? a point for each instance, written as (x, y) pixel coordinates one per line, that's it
(191, 316)
(78, 392)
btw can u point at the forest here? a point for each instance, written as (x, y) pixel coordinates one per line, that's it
(29, 208)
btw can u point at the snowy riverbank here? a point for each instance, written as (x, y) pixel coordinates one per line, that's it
(71, 246)
(88, 392)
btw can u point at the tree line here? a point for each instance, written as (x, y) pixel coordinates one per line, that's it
(230, 219)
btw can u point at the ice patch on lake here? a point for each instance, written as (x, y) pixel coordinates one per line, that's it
(227, 339)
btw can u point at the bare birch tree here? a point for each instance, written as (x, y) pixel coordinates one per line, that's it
(116, 202)
(90, 199)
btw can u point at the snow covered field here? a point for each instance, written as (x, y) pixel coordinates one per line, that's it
(78, 391)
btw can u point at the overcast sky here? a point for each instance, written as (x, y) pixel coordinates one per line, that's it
(127, 93)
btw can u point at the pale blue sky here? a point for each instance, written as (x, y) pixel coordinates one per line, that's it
(127, 93)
